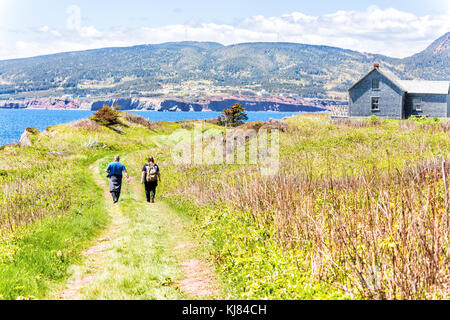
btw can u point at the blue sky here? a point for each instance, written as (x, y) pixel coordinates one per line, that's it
(397, 28)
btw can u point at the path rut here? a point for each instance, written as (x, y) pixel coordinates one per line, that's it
(145, 252)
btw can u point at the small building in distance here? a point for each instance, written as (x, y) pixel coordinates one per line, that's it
(383, 94)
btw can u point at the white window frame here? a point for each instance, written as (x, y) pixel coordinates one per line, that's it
(372, 103)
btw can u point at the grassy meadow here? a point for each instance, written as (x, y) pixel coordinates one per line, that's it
(50, 207)
(357, 210)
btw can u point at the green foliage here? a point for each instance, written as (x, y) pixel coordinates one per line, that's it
(142, 266)
(249, 259)
(275, 67)
(431, 63)
(32, 130)
(425, 120)
(327, 218)
(233, 117)
(51, 207)
(34, 134)
(271, 238)
(35, 258)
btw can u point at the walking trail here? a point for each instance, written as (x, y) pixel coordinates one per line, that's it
(146, 252)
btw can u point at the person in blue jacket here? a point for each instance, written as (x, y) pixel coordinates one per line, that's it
(115, 172)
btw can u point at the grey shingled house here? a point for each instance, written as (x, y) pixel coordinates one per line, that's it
(383, 94)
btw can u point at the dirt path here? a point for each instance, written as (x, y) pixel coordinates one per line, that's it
(147, 252)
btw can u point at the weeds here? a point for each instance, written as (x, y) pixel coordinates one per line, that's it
(132, 118)
(363, 210)
(87, 124)
(358, 209)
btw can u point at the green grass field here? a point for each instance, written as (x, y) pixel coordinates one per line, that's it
(357, 210)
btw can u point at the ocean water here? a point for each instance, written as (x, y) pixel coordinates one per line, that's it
(13, 122)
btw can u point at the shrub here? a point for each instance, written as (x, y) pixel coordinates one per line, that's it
(186, 125)
(32, 134)
(133, 118)
(86, 124)
(373, 121)
(32, 130)
(106, 116)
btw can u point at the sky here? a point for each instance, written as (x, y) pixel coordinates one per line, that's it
(397, 28)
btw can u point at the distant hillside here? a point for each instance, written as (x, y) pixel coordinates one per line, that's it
(311, 71)
(433, 63)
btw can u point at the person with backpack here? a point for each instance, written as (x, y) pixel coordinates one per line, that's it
(115, 172)
(150, 177)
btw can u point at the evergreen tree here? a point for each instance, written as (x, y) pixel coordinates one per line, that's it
(233, 117)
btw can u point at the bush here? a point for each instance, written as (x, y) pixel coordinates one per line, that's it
(32, 130)
(133, 118)
(106, 116)
(86, 124)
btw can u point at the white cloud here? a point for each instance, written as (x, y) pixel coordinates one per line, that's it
(90, 32)
(74, 23)
(47, 29)
(390, 31)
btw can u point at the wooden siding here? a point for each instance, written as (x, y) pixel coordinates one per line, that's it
(390, 98)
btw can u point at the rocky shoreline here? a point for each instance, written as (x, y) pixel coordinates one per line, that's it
(168, 105)
(44, 103)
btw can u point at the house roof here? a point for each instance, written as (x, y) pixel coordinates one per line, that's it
(411, 86)
(388, 74)
(431, 87)
(393, 77)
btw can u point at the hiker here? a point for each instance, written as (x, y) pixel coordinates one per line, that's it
(115, 173)
(150, 177)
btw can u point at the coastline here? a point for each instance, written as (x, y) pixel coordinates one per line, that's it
(272, 104)
(45, 109)
(157, 111)
(18, 128)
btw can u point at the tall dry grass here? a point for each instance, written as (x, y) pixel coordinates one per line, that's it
(24, 201)
(387, 235)
(34, 192)
(384, 233)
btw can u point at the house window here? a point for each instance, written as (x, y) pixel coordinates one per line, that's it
(375, 104)
(375, 84)
(417, 104)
